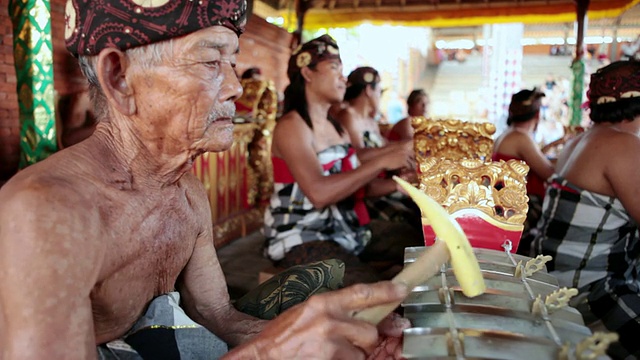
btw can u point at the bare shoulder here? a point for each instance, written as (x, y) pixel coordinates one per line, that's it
(291, 130)
(606, 143)
(622, 146)
(346, 116)
(46, 184)
(47, 219)
(403, 129)
(515, 143)
(290, 121)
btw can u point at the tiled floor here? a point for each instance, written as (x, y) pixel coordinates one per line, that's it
(241, 262)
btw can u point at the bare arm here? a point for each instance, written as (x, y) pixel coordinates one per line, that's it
(350, 124)
(368, 154)
(292, 141)
(203, 288)
(381, 187)
(403, 129)
(530, 152)
(623, 172)
(49, 263)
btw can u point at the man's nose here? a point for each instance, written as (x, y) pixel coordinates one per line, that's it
(230, 89)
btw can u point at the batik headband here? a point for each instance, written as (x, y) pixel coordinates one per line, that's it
(619, 80)
(92, 25)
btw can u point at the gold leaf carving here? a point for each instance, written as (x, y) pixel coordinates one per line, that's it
(495, 188)
(452, 139)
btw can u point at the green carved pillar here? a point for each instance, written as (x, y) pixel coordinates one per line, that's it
(578, 69)
(578, 66)
(33, 56)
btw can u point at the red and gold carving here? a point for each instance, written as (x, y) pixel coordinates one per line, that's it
(489, 199)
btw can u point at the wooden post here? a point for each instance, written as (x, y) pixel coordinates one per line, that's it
(302, 6)
(578, 65)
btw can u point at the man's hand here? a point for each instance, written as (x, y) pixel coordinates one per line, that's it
(390, 340)
(324, 327)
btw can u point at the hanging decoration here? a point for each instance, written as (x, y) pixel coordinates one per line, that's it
(33, 56)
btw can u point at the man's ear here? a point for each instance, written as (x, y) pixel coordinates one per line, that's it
(111, 69)
(306, 73)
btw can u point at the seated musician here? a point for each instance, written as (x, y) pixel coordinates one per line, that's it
(362, 99)
(417, 105)
(106, 247)
(517, 142)
(317, 209)
(591, 213)
(252, 73)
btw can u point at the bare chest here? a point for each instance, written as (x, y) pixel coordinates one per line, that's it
(148, 241)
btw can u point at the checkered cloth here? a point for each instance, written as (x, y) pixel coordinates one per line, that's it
(596, 248)
(291, 219)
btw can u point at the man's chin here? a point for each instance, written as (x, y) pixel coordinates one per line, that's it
(217, 139)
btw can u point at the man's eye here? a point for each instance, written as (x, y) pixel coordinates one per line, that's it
(212, 64)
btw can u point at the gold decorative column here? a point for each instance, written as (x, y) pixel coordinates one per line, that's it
(33, 56)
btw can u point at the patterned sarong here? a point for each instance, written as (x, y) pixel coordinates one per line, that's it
(596, 249)
(291, 219)
(165, 332)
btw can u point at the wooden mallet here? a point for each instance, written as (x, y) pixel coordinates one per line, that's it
(452, 243)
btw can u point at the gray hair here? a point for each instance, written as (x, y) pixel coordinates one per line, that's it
(145, 56)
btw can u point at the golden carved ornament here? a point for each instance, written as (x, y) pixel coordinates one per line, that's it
(498, 189)
(452, 139)
(261, 98)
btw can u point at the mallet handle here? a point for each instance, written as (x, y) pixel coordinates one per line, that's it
(421, 270)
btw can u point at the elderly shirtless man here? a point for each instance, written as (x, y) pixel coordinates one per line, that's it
(92, 237)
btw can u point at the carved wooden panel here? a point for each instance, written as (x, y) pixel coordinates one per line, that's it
(452, 139)
(489, 199)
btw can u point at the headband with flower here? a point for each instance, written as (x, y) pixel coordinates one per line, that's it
(311, 53)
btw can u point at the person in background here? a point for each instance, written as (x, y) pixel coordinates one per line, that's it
(417, 105)
(590, 216)
(317, 210)
(517, 142)
(252, 73)
(106, 247)
(362, 97)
